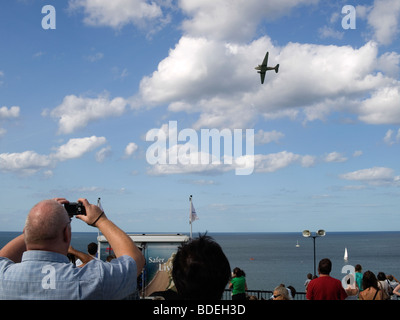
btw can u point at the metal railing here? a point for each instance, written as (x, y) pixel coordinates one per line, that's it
(260, 295)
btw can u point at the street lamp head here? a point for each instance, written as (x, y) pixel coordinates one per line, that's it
(306, 233)
(321, 233)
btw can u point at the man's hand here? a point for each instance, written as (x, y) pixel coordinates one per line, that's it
(93, 213)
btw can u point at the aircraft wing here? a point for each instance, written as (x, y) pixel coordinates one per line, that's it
(265, 62)
(262, 75)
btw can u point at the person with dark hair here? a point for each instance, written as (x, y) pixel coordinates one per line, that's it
(383, 283)
(92, 252)
(359, 276)
(325, 287)
(92, 249)
(371, 289)
(238, 284)
(200, 270)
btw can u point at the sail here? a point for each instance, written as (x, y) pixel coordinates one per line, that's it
(346, 255)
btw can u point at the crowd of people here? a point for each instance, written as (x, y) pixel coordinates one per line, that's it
(360, 286)
(42, 264)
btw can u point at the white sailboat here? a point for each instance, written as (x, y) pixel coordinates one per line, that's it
(346, 255)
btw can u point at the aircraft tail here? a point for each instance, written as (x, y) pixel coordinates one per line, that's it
(276, 68)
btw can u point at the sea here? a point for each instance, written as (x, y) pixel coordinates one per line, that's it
(269, 259)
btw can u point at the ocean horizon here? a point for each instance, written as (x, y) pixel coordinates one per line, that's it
(272, 258)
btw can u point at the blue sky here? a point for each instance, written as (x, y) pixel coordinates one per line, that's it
(77, 101)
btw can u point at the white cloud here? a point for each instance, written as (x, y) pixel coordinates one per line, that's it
(329, 32)
(217, 80)
(389, 63)
(219, 19)
(262, 137)
(25, 163)
(130, 149)
(335, 157)
(119, 13)
(76, 112)
(75, 148)
(384, 20)
(382, 107)
(8, 113)
(275, 161)
(103, 153)
(390, 139)
(200, 162)
(30, 162)
(373, 176)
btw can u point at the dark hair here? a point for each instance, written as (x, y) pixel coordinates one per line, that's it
(239, 272)
(325, 266)
(369, 280)
(358, 267)
(92, 248)
(200, 269)
(381, 276)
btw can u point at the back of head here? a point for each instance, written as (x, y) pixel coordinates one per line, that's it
(281, 293)
(369, 280)
(200, 269)
(45, 223)
(92, 248)
(239, 272)
(381, 276)
(325, 266)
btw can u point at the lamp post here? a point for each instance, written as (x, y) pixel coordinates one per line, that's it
(319, 233)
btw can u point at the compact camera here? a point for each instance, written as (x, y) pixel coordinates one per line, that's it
(75, 208)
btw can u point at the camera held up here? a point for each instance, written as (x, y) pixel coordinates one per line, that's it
(75, 208)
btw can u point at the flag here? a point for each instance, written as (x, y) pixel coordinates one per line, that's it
(193, 215)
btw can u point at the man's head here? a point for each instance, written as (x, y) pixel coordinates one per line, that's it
(92, 248)
(325, 266)
(47, 227)
(200, 269)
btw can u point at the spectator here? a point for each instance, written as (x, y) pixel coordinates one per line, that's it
(325, 287)
(92, 252)
(393, 283)
(78, 258)
(280, 293)
(371, 289)
(200, 270)
(383, 284)
(35, 265)
(309, 278)
(359, 276)
(238, 284)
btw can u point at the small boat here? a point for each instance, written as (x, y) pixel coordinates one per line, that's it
(346, 255)
(297, 245)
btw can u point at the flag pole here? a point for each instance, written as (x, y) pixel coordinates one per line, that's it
(190, 215)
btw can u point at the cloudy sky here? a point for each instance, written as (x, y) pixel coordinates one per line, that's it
(81, 94)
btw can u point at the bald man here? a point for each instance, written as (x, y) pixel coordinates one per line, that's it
(35, 264)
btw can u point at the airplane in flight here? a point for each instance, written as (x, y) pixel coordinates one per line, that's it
(263, 68)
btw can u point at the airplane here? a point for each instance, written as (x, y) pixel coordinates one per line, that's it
(264, 68)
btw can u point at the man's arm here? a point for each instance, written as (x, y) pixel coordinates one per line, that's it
(14, 249)
(121, 243)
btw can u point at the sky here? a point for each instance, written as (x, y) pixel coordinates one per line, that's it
(95, 93)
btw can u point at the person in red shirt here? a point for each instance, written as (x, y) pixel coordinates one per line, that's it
(325, 287)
